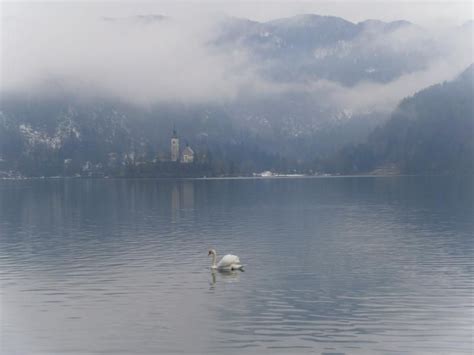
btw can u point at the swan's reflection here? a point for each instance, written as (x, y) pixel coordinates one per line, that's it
(224, 276)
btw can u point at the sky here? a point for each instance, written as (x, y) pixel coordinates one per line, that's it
(70, 43)
(422, 12)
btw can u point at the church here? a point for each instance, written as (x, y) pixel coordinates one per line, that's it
(186, 156)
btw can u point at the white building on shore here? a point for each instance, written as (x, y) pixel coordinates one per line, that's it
(188, 155)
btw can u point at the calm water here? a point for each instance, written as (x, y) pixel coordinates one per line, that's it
(333, 265)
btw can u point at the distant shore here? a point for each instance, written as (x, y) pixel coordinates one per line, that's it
(234, 177)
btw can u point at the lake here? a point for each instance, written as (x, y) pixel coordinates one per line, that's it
(338, 265)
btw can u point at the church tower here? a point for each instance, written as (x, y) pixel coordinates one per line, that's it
(174, 146)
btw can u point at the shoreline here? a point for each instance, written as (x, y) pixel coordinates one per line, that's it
(243, 177)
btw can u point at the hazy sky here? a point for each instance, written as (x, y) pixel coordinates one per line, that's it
(421, 12)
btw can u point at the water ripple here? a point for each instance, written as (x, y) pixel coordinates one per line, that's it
(332, 266)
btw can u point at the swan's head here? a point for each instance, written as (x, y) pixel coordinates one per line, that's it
(211, 252)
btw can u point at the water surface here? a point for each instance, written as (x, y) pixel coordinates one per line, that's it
(333, 265)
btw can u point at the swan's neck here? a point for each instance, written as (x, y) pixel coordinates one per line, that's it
(214, 257)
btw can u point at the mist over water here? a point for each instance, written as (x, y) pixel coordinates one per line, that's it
(336, 265)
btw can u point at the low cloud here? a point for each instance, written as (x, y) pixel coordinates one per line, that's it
(132, 58)
(452, 52)
(149, 59)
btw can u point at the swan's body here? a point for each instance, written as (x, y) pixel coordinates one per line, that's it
(228, 263)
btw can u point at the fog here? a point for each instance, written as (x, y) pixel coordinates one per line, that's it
(119, 56)
(103, 49)
(456, 53)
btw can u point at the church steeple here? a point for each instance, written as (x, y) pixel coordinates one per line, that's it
(175, 135)
(174, 145)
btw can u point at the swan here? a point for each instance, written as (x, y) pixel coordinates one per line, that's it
(228, 263)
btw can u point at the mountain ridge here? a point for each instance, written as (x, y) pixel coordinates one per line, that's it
(429, 132)
(301, 116)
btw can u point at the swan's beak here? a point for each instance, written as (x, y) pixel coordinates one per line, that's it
(210, 252)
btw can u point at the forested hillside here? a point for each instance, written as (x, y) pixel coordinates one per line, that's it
(430, 132)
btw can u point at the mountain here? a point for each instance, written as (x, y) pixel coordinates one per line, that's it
(39, 133)
(138, 19)
(314, 71)
(39, 136)
(430, 132)
(307, 47)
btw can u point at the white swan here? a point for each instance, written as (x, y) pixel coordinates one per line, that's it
(227, 263)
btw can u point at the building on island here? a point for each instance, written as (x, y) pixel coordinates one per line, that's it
(174, 146)
(188, 155)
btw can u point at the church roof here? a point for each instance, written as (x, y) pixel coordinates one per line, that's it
(188, 151)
